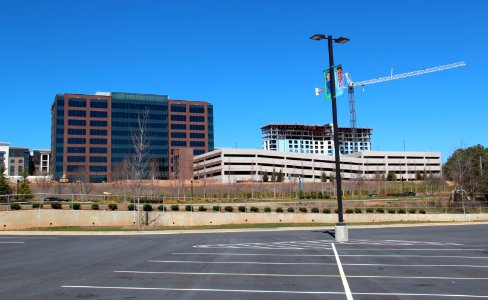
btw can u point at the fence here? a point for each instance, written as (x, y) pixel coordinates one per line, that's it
(405, 205)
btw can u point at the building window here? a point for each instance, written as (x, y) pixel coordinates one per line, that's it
(178, 143)
(96, 141)
(195, 135)
(98, 159)
(178, 135)
(76, 131)
(76, 113)
(178, 107)
(178, 118)
(197, 144)
(75, 168)
(76, 141)
(98, 150)
(76, 159)
(98, 114)
(198, 152)
(197, 127)
(98, 103)
(77, 102)
(197, 119)
(101, 132)
(178, 126)
(98, 168)
(76, 122)
(98, 123)
(75, 150)
(197, 109)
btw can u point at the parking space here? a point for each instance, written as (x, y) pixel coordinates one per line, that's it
(381, 263)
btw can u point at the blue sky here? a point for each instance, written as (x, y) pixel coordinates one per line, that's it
(254, 62)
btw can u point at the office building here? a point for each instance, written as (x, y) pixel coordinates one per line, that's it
(234, 165)
(19, 161)
(41, 161)
(314, 139)
(92, 135)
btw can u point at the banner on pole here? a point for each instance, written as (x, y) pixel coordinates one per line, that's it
(338, 80)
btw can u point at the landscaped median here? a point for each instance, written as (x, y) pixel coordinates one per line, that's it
(23, 219)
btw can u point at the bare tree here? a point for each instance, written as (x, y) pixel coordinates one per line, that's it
(139, 162)
(43, 182)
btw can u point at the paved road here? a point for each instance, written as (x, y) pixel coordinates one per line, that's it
(378, 263)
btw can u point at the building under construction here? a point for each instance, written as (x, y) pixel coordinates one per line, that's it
(315, 139)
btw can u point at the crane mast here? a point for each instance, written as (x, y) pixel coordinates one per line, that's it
(351, 85)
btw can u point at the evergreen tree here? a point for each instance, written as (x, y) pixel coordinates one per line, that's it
(280, 176)
(24, 187)
(391, 176)
(273, 176)
(331, 177)
(5, 187)
(418, 175)
(323, 177)
(265, 177)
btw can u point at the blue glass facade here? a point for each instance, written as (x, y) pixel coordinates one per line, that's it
(126, 109)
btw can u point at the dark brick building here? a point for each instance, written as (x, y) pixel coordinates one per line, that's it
(92, 134)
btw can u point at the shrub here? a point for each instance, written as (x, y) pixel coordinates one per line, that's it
(391, 211)
(336, 211)
(147, 207)
(229, 208)
(175, 207)
(254, 209)
(56, 205)
(216, 208)
(401, 211)
(95, 206)
(37, 205)
(315, 210)
(326, 211)
(267, 209)
(291, 209)
(380, 210)
(412, 210)
(303, 209)
(421, 211)
(358, 211)
(75, 206)
(188, 208)
(326, 196)
(242, 208)
(112, 206)
(369, 210)
(349, 211)
(131, 207)
(15, 206)
(202, 208)
(279, 210)
(162, 208)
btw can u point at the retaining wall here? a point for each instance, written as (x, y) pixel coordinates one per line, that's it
(50, 218)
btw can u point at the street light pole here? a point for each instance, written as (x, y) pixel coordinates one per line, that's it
(341, 232)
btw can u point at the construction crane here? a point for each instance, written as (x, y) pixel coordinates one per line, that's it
(351, 85)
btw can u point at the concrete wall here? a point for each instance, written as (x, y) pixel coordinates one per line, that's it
(50, 218)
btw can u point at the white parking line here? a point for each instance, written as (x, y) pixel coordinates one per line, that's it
(229, 274)
(238, 262)
(302, 275)
(422, 295)
(330, 255)
(12, 242)
(343, 276)
(254, 254)
(268, 291)
(201, 290)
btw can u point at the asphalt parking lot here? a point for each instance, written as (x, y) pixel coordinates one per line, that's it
(377, 263)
